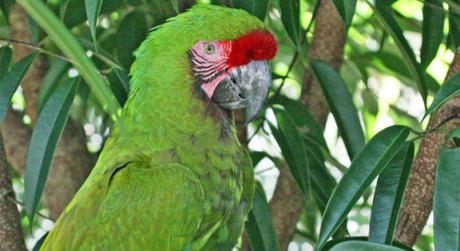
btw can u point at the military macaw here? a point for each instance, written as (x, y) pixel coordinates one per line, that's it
(172, 174)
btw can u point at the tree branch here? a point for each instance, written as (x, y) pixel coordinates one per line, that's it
(327, 44)
(418, 197)
(11, 236)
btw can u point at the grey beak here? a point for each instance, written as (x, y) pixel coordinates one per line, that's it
(246, 87)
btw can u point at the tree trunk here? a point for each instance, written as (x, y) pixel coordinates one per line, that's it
(418, 196)
(327, 44)
(11, 237)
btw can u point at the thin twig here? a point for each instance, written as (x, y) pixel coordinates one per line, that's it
(437, 127)
(35, 47)
(37, 212)
(265, 170)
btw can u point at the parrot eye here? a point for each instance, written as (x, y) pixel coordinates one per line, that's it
(209, 48)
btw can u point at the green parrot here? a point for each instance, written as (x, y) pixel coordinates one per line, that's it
(172, 175)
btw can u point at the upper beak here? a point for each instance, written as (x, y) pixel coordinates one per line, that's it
(247, 87)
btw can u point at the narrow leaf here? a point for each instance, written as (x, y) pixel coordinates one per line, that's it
(5, 6)
(123, 76)
(39, 243)
(132, 31)
(304, 120)
(6, 54)
(322, 182)
(389, 195)
(448, 90)
(341, 104)
(63, 4)
(45, 136)
(258, 8)
(447, 201)
(346, 9)
(93, 7)
(51, 80)
(363, 246)
(259, 226)
(433, 30)
(256, 157)
(384, 14)
(292, 148)
(455, 133)
(375, 157)
(454, 27)
(66, 42)
(290, 12)
(10, 82)
(117, 86)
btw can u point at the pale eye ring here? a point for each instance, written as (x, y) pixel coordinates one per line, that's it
(209, 48)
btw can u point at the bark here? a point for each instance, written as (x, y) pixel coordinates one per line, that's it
(286, 206)
(327, 44)
(11, 236)
(71, 162)
(418, 196)
(16, 137)
(20, 31)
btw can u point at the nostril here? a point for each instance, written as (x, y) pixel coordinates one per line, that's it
(242, 95)
(233, 79)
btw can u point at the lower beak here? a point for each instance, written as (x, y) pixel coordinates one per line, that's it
(246, 87)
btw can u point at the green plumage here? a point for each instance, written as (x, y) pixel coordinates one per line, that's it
(166, 179)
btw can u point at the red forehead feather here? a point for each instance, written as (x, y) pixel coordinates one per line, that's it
(256, 45)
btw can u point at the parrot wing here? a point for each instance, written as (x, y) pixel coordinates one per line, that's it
(142, 208)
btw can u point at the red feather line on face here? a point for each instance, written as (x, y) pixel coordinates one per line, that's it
(256, 45)
(211, 68)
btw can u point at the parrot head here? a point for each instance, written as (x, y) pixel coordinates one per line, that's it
(235, 74)
(198, 66)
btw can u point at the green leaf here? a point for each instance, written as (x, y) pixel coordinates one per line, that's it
(6, 54)
(346, 9)
(341, 104)
(290, 141)
(256, 157)
(63, 4)
(447, 201)
(375, 157)
(448, 90)
(259, 226)
(93, 7)
(363, 246)
(67, 43)
(45, 136)
(389, 195)
(39, 243)
(454, 27)
(78, 13)
(433, 30)
(384, 14)
(10, 82)
(5, 6)
(304, 120)
(322, 182)
(455, 133)
(123, 76)
(51, 80)
(117, 86)
(290, 12)
(132, 31)
(258, 8)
